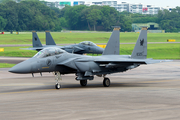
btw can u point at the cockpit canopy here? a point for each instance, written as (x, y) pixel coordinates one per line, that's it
(88, 43)
(50, 51)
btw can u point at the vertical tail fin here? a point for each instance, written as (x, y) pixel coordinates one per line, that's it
(112, 47)
(140, 49)
(49, 39)
(35, 40)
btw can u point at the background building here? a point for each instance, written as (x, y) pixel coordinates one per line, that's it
(78, 3)
(123, 6)
(152, 27)
(136, 8)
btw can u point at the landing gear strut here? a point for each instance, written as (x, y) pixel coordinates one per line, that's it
(106, 82)
(83, 82)
(57, 78)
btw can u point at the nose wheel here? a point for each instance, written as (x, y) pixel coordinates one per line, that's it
(58, 86)
(106, 82)
(57, 78)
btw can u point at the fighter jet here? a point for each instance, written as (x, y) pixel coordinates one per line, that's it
(81, 48)
(60, 62)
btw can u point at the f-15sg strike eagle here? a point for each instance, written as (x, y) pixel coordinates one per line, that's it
(60, 62)
(81, 48)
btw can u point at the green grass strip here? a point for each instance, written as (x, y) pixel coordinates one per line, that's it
(97, 37)
(6, 65)
(155, 51)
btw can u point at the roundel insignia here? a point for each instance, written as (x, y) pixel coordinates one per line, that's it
(48, 62)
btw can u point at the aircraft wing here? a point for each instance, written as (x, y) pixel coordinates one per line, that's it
(68, 63)
(40, 48)
(34, 48)
(151, 61)
(77, 49)
(127, 63)
(128, 60)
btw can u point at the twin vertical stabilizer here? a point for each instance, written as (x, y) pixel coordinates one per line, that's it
(36, 42)
(140, 49)
(112, 47)
(49, 39)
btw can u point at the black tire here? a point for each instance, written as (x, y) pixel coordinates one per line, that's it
(58, 86)
(106, 82)
(83, 82)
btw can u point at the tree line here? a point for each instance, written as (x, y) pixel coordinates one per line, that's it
(167, 20)
(27, 15)
(82, 17)
(35, 15)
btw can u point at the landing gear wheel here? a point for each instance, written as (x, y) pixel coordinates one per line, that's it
(57, 76)
(58, 86)
(83, 82)
(106, 82)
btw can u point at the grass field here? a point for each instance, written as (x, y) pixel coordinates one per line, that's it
(97, 37)
(156, 51)
(6, 65)
(17, 52)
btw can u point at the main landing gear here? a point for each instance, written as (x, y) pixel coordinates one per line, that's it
(106, 82)
(57, 78)
(83, 82)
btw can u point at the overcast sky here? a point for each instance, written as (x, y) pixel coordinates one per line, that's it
(159, 3)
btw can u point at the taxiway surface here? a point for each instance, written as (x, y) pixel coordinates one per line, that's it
(149, 92)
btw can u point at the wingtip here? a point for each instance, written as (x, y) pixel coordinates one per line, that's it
(167, 61)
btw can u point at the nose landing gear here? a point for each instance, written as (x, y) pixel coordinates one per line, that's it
(57, 78)
(58, 86)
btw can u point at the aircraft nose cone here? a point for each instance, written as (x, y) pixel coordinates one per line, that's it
(101, 50)
(21, 68)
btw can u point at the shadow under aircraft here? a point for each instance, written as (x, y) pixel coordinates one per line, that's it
(60, 62)
(81, 48)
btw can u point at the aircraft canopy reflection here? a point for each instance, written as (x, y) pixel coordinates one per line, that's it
(88, 43)
(50, 51)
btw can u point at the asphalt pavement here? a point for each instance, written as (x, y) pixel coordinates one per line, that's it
(149, 92)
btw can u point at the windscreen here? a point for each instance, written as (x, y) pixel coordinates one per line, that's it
(88, 43)
(49, 52)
